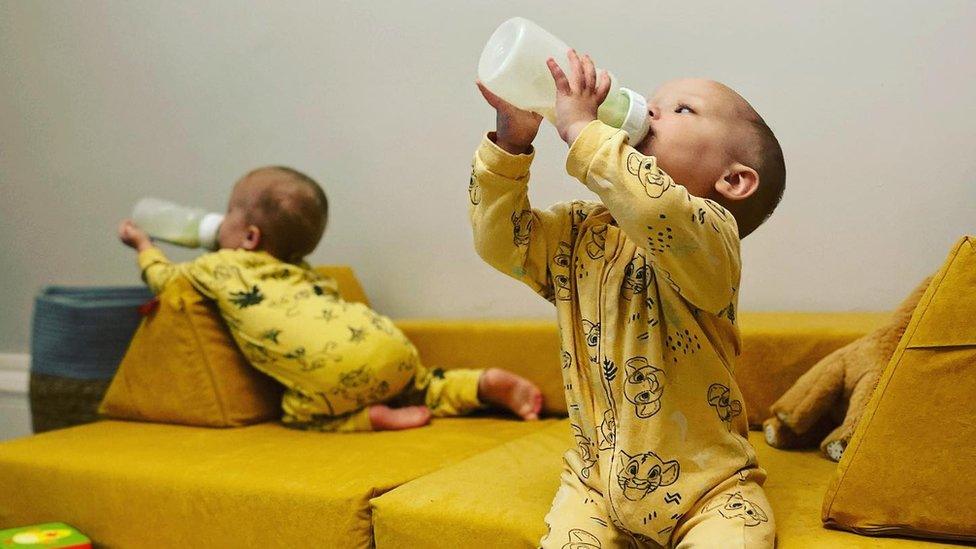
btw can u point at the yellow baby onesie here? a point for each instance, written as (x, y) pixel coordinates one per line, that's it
(645, 287)
(335, 358)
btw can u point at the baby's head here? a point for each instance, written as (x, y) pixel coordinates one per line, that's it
(275, 209)
(710, 140)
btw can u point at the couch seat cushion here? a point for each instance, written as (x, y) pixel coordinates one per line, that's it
(500, 497)
(127, 484)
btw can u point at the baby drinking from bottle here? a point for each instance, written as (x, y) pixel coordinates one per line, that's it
(645, 280)
(344, 366)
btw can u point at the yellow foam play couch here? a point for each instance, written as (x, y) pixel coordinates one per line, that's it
(482, 481)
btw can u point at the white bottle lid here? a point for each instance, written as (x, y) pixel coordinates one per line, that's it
(209, 226)
(636, 123)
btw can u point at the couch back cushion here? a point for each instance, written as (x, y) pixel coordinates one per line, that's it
(777, 349)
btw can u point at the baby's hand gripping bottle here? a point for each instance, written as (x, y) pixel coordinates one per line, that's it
(513, 67)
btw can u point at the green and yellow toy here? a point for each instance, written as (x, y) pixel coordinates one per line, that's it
(52, 535)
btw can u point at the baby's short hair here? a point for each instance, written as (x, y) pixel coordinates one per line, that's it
(291, 211)
(764, 155)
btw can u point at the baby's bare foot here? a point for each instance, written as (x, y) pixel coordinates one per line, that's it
(507, 390)
(384, 418)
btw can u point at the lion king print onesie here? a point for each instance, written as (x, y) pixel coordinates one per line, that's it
(645, 288)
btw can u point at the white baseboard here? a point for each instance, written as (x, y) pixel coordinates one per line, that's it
(14, 370)
(14, 405)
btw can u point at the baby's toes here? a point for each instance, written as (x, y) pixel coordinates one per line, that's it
(536, 401)
(532, 404)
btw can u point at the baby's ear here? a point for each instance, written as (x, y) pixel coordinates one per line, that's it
(252, 238)
(739, 182)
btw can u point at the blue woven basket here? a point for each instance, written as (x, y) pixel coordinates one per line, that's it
(82, 333)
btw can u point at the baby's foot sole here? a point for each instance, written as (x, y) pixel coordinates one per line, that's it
(384, 418)
(511, 392)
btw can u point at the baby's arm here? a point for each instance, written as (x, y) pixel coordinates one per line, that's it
(691, 241)
(508, 234)
(156, 269)
(531, 245)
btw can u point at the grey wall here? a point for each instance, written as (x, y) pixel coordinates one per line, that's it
(104, 102)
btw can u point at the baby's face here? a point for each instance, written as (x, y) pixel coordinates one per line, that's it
(693, 125)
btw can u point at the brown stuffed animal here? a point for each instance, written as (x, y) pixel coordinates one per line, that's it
(836, 389)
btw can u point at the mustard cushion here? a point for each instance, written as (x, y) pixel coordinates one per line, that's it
(182, 365)
(148, 485)
(499, 498)
(777, 349)
(529, 348)
(908, 467)
(495, 499)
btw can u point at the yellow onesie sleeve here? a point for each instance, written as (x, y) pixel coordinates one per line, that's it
(156, 269)
(215, 274)
(509, 234)
(202, 272)
(692, 242)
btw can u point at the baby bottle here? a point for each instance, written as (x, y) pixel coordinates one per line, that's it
(180, 225)
(513, 67)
